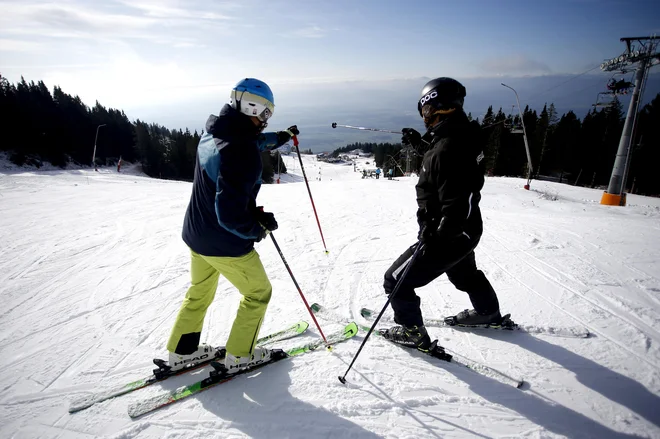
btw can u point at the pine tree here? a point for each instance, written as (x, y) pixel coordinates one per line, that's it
(645, 152)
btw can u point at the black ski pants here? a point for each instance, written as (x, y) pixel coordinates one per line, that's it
(455, 258)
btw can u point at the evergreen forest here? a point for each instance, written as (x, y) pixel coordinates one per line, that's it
(38, 126)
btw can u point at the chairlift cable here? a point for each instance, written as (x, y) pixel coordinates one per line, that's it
(562, 83)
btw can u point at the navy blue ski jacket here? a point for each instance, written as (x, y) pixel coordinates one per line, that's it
(220, 218)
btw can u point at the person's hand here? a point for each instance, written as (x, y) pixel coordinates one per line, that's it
(286, 135)
(427, 225)
(411, 136)
(283, 137)
(427, 233)
(266, 219)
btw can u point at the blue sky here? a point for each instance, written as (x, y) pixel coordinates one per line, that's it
(136, 54)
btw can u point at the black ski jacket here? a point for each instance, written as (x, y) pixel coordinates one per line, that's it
(220, 219)
(451, 178)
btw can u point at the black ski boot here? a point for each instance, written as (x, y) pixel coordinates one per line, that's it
(470, 317)
(412, 336)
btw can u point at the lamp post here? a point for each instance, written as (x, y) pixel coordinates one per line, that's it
(529, 157)
(95, 138)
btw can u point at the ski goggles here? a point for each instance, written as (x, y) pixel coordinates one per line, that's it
(254, 105)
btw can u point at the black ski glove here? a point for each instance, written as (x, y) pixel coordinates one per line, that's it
(427, 226)
(285, 136)
(266, 219)
(427, 233)
(433, 232)
(411, 136)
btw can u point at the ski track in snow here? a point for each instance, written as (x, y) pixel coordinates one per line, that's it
(93, 272)
(600, 308)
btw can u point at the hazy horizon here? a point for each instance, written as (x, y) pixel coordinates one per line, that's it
(174, 62)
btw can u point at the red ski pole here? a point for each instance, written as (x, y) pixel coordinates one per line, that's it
(298, 286)
(295, 143)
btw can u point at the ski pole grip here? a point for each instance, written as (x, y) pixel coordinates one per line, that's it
(295, 141)
(261, 209)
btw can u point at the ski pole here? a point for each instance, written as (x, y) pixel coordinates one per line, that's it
(295, 143)
(335, 125)
(298, 287)
(420, 246)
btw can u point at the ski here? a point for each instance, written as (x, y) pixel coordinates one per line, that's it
(434, 351)
(507, 325)
(163, 371)
(219, 376)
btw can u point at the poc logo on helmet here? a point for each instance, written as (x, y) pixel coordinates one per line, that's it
(428, 97)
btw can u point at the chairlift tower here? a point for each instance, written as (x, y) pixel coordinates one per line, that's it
(640, 52)
(524, 131)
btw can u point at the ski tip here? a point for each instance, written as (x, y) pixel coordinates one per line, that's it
(342, 379)
(351, 329)
(302, 326)
(522, 385)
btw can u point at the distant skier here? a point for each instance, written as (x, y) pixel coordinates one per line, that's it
(377, 173)
(222, 224)
(390, 172)
(448, 194)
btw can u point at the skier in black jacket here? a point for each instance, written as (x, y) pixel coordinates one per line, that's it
(448, 195)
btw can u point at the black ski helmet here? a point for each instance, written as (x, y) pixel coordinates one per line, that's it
(440, 94)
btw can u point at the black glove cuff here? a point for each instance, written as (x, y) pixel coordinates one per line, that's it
(283, 137)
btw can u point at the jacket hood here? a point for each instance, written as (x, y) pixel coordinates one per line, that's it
(457, 125)
(231, 123)
(449, 124)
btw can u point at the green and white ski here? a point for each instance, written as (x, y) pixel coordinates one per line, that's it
(149, 405)
(435, 351)
(163, 371)
(506, 325)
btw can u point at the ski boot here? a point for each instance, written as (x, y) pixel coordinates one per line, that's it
(471, 318)
(410, 336)
(178, 362)
(235, 364)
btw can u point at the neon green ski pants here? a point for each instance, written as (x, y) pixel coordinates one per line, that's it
(247, 274)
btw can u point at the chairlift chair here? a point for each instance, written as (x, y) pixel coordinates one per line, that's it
(620, 87)
(607, 102)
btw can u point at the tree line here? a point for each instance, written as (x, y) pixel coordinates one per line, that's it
(562, 148)
(59, 128)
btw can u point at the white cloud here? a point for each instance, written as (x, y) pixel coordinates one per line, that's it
(54, 20)
(10, 45)
(172, 10)
(513, 64)
(187, 45)
(310, 32)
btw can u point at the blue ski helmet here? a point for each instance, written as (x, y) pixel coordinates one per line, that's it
(254, 98)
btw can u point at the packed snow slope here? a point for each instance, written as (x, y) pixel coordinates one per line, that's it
(93, 271)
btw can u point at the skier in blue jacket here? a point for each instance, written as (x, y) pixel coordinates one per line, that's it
(223, 222)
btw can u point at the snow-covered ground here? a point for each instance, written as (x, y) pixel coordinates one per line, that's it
(93, 271)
